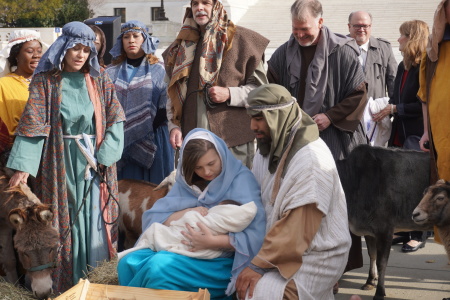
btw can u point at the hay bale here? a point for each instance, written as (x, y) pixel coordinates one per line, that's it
(105, 273)
(9, 291)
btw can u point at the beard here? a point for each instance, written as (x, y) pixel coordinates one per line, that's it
(264, 144)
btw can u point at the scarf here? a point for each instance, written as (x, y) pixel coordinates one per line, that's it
(73, 33)
(149, 45)
(180, 55)
(139, 98)
(286, 121)
(317, 76)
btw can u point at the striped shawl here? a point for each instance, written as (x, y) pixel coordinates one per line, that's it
(41, 117)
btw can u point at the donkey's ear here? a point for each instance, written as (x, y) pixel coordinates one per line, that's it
(17, 217)
(45, 216)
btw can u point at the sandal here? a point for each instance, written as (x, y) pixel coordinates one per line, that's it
(336, 288)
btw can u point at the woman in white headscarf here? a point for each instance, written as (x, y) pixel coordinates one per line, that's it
(18, 60)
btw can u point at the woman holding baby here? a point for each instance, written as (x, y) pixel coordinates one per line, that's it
(207, 174)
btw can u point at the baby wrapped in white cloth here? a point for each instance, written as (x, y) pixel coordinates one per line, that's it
(221, 219)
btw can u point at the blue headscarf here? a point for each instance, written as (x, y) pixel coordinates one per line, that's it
(235, 182)
(149, 45)
(73, 33)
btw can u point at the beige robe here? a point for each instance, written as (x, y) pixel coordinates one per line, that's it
(311, 178)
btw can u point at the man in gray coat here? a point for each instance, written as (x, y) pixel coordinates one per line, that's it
(376, 58)
(320, 69)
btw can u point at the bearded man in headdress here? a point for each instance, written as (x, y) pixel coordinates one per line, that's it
(304, 201)
(212, 66)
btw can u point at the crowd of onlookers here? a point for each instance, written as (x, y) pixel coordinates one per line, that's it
(78, 126)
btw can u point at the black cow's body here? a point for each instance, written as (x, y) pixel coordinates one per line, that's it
(382, 187)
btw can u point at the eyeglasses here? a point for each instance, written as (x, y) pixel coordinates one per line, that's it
(361, 26)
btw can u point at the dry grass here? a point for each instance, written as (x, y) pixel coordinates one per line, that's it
(9, 291)
(106, 273)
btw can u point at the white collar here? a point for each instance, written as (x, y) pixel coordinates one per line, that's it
(365, 46)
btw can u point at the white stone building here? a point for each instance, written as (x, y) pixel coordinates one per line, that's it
(272, 18)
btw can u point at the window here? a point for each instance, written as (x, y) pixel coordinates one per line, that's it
(155, 13)
(120, 12)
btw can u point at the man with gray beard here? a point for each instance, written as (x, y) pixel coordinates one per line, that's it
(212, 66)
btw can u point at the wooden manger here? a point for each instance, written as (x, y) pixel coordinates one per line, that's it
(85, 290)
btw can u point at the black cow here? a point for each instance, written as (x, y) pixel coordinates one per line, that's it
(382, 187)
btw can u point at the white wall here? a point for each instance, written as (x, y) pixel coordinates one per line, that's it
(141, 9)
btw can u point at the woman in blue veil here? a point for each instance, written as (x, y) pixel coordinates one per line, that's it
(195, 187)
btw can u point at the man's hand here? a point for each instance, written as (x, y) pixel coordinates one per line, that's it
(247, 280)
(176, 138)
(322, 121)
(219, 94)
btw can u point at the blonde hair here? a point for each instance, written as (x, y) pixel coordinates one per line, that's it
(417, 31)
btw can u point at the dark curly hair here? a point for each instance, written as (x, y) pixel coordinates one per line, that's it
(12, 58)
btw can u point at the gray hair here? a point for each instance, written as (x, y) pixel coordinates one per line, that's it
(353, 12)
(301, 8)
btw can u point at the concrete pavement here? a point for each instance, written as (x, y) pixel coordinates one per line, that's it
(424, 274)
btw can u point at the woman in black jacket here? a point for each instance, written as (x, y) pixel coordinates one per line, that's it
(406, 108)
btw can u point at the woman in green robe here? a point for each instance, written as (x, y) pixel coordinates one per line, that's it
(72, 107)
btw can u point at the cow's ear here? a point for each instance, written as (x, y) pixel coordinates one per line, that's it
(17, 217)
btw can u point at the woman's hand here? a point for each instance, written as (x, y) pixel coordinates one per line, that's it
(18, 177)
(386, 111)
(204, 239)
(424, 139)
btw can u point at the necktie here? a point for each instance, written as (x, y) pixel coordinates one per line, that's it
(360, 57)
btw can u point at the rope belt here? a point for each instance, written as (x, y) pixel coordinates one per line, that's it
(87, 151)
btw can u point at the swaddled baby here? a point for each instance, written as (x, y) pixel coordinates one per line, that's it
(228, 216)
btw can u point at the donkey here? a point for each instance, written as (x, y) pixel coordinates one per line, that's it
(36, 242)
(22, 211)
(10, 198)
